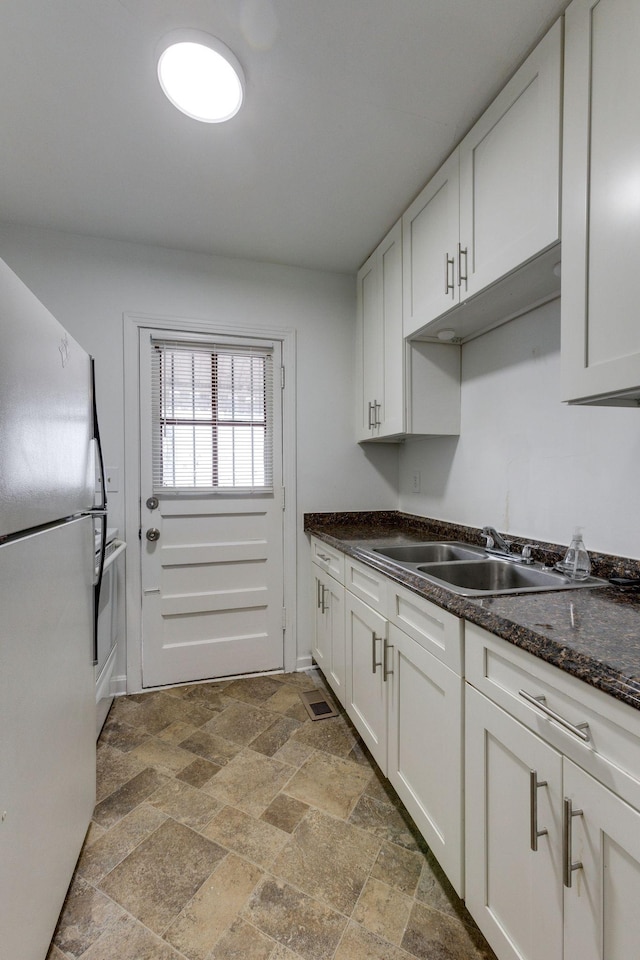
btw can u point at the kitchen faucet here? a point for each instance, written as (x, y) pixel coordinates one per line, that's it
(496, 544)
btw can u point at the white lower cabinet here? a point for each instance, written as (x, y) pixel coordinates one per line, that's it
(546, 847)
(328, 634)
(552, 851)
(602, 905)
(406, 702)
(327, 644)
(367, 679)
(513, 891)
(425, 747)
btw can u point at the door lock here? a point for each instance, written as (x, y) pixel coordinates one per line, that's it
(152, 503)
(153, 534)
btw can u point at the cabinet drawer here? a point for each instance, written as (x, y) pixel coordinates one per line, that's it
(328, 558)
(435, 629)
(367, 584)
(611, 751)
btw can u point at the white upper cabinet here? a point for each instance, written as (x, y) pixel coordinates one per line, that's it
(510, 172)
(493, 207)
(379, 345)
(431, 233)
(601, 203)
(401, 389)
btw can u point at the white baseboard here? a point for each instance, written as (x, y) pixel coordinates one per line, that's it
(118, 686)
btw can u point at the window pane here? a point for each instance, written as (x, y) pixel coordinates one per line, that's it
(187, 456)
(241, 456)
(212, 425)
(186, 383)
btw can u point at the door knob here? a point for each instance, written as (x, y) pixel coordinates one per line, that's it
(153, 534)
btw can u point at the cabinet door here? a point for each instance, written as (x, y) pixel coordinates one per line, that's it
(391, 392)
(369, 342)
(513, 892)
(430, 234)
(425, 748)
(329, 650)
(380, 397)
(319, 619)
(601, 202)
(510, 172)
(366, 639)
(602, 916)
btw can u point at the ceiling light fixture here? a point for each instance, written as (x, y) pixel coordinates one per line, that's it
(200, 76)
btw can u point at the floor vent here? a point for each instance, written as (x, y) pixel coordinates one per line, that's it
(318, 705)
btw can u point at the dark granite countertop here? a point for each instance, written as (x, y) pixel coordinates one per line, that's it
(593, 634)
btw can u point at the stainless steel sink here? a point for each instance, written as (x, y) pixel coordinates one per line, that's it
(486, 577)
(432, 552)
(470, 571)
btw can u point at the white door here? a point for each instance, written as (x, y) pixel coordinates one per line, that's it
(211, 507)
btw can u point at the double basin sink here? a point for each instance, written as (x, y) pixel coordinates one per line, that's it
(470, 571)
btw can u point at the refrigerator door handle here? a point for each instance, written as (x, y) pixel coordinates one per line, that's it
(99, 512)
(96, 436)
(97, 584)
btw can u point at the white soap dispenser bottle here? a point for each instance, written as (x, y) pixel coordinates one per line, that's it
(576, 563)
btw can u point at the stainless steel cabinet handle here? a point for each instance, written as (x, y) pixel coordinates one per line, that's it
(377, 422)
(577, 729)
(568, 866)
(462, 276)
(318, 594)
(534, 785)
(324, 557)
(386, 646)
(375, 663)
(370, 415)
(323, 607)
(448, 262)
(153, 534)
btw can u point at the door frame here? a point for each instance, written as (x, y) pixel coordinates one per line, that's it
(133, 323)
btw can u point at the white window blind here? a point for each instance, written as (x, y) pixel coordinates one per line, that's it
(212, 418)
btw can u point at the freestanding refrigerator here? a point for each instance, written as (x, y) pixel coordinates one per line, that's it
(47, 588)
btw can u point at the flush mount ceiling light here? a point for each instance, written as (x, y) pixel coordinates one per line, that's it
(200, 76)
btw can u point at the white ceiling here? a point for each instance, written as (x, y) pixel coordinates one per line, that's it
(351, 106)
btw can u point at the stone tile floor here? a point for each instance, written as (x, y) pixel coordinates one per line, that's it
(229, 826)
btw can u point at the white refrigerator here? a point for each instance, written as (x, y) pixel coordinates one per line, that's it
(48, 591)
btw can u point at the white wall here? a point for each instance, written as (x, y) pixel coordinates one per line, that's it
(88, 284)
(525, 462)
